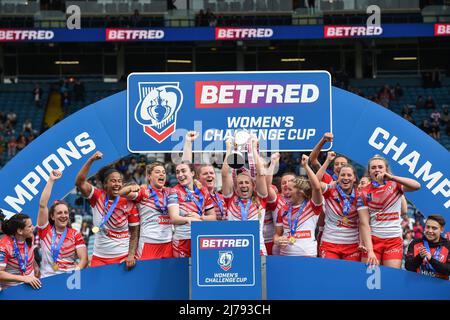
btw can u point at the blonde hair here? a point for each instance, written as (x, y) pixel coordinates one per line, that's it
(303, 185)
(378, 157)
(254, 199)
(150, 167)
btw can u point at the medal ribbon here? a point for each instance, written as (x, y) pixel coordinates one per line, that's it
(436, 254)
(22, 261)
(155, 197)
(332, 174)
(348, 200)
(293, 224)
(218, 201)
(198, 203)
(376, 184)
(244, 210)
(110, 211)
(56, 247)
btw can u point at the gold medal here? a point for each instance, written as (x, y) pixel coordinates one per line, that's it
(292, 240)
(95, 229)
(345, 221)
(55, 267)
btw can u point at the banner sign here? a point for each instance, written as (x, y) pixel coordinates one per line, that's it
(442, 29)
(112, 282)
(223, 33)
(329, 279)
(287, 111)
(225, 260)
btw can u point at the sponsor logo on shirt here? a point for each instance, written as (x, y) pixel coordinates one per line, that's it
(303, 234)
(164, 220)
(387, 216)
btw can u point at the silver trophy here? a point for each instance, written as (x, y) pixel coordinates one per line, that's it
(237, 159)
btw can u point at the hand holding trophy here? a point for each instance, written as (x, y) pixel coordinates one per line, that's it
(236, 159)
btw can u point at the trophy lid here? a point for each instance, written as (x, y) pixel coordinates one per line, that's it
(241, 137)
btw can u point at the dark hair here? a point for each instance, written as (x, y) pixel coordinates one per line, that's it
(104, 173)
(189, 164)
(438, 218)
(11, 225)
(354, 172)
(51, 211)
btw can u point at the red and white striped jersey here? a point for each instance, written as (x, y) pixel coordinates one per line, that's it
(270, 219)
(327, 178)
(178, 196)
(67, 255)
(257, 211)
(156, 226)
(113, 240)
(216, 197)
(384, 205)
(305, 244)
(336, 230)
(10, 262)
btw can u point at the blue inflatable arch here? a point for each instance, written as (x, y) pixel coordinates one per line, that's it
(361, 129)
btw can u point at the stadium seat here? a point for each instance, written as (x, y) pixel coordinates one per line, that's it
(235, 6)
(110, 8)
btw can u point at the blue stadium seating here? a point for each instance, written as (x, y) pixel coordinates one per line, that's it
(412, 88)
(18, 98)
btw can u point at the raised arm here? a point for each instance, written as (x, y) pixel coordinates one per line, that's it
(227, 180)
(274, 160)
(327, 137)
(187, 147)
(42, 218)
(331, 155)
(81, 180)
(130, 192)
(261, 185)
(316, 188)
(408, 184)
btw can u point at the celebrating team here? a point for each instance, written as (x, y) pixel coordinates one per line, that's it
(132, 222)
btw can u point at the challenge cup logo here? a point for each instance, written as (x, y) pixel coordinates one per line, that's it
(225, 260)
(157, 109)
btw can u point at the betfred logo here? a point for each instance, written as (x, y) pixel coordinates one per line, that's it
(133, 34)
(25, 35)
(243, 33)
(219, 243)
(351, 31)
(237, 94)
(442, 29)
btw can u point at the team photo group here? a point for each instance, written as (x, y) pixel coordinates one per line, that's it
(327, 212)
